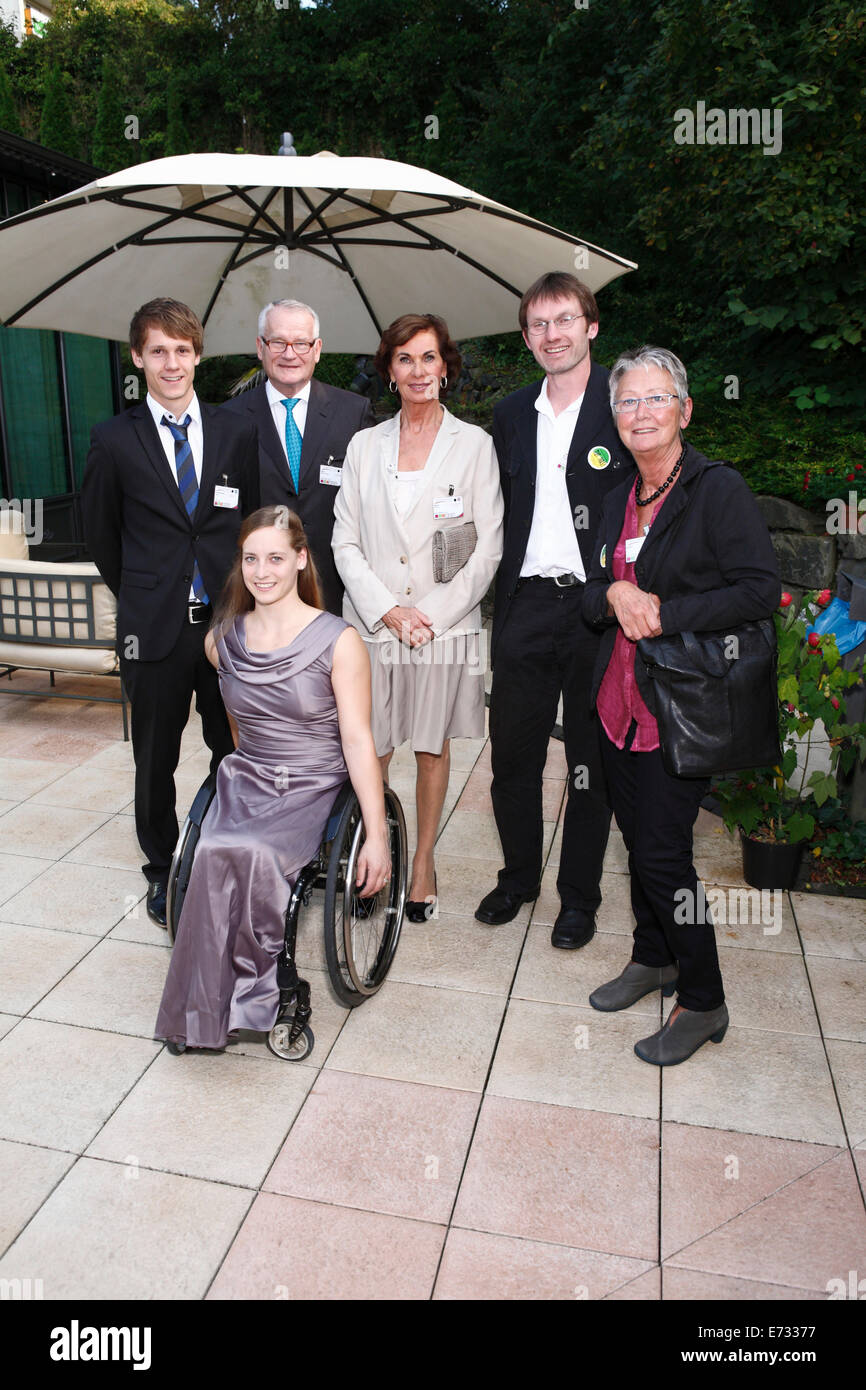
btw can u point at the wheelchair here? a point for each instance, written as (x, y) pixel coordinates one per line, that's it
(361, 934)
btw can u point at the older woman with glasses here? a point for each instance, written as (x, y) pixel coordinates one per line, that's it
(681, 548)
(412, 488)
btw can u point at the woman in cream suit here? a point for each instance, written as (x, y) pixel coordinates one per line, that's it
(418, 473)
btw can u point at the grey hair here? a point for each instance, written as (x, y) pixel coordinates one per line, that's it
(287, 304)
(650, 357)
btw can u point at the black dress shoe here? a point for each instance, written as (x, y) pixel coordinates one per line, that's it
(501, 906)
(573, 927)
(156, 903)
(417, 911)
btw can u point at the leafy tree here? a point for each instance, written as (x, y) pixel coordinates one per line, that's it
(8, 109)
(57, 130)
(175, 130)
(111, 150)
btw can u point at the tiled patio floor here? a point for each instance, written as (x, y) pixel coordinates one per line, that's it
(475, 1131)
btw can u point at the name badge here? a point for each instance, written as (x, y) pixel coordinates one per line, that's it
(225, 496)
(444, 507)
(633, 548)
(332, 475)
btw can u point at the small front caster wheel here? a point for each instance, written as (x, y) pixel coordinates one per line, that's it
(278, 1042)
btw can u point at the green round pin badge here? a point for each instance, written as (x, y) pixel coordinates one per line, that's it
(602, 559)
(599, 457)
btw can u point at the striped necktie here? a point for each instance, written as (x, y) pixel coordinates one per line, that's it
(294, 441)
(188, 484)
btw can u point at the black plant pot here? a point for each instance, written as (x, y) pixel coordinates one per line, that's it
(769, 865)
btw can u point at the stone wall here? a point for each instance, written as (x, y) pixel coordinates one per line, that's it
(809, 557)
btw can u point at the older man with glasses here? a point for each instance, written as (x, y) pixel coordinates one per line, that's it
(304, 427)
(559, 455)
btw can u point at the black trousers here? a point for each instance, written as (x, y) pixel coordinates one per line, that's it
(546, 649)
(160, 694)
(656, 814)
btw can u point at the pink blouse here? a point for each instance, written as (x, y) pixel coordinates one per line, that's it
(619, 699)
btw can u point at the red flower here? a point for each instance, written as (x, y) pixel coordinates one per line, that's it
(785, 600)
(824, 598)
(814, 640)
(849, 477)
(834, 702)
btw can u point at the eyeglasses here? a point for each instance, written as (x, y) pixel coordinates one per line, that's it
(629, 404)
(539, 326)
(279, 345)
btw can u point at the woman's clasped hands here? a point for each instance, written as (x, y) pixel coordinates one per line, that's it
(637, 612)
(412, 626)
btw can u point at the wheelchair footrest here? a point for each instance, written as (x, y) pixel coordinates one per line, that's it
(295, 1006)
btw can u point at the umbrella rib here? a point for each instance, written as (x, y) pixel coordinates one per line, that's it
(192, 213)
(407, 219)
(308, 251)
(134, 239)
(435, 243)
(58, 284)
(346, 266)
(233, 258)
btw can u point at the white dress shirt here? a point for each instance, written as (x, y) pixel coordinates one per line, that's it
(279, 411)
(194, 435)
(552, 545)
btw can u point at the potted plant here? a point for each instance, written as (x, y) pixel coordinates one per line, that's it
(776, 808)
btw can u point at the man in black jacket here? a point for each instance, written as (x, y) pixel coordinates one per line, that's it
(559, 454)
(166, 486)
(303, 428)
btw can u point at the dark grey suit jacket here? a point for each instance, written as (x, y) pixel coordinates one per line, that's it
(333, 416)
(137, 528)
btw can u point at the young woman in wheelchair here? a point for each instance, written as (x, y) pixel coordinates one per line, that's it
(296, 683)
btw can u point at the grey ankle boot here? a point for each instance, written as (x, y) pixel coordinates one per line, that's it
(634, 982)
(678, 1040)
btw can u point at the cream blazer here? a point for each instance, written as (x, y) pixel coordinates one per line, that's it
(385, 559)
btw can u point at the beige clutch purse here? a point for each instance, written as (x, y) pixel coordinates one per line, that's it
(451, 550)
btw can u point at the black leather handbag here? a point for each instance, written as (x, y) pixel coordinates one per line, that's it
(716, 698)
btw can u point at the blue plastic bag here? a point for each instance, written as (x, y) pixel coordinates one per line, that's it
(835, 619)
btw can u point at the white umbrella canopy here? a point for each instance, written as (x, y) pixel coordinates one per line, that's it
(361, 240)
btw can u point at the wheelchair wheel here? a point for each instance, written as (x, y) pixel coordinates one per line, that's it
(279, 1042)
(361, 934)
(181, 864)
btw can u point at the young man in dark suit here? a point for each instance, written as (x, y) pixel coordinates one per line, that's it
(304, 428)
(166, 486)
(559, 453)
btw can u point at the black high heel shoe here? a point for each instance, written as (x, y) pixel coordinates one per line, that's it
(423, 911)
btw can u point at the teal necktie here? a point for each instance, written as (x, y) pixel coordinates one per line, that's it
(294, 441)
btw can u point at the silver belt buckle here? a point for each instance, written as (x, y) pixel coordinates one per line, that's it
(195, 619)
(565, 581)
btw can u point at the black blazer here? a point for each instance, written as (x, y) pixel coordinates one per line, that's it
(333, 416)
(515, 436)
(708, 557)
(137, 528)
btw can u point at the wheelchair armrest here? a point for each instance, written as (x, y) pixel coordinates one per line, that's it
(202, 799)
(344, 795)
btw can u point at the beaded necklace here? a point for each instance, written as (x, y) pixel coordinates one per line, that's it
(645, 501)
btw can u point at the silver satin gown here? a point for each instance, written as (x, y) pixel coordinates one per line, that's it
(273, 796)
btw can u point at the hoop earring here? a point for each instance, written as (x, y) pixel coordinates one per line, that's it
(392, 387)
(443, 383)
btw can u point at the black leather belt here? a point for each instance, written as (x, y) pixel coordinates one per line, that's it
(198, 613)
(562, 581)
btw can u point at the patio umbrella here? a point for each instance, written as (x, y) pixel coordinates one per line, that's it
(362, 240)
